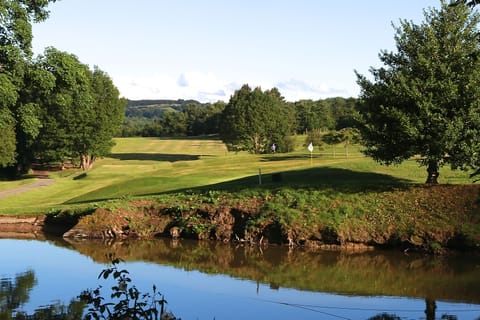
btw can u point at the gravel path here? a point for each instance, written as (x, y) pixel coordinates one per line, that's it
(41, 182)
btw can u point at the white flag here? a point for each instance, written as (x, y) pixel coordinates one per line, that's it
(310, 147)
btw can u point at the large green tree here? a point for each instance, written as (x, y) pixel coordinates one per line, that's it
(80, 113)
(254, 120)
(425, 101)
(311, 115)
(65, 108)
(16, 18)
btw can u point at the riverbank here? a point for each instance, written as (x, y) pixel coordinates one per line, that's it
(419, 217)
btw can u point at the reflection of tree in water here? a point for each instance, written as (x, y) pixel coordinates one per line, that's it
(430, 310)
(14, 293)
(384, 316)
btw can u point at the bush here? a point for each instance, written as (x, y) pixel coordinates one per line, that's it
(127, 302)
(314, 137)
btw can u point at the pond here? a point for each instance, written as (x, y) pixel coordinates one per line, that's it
(210, 280)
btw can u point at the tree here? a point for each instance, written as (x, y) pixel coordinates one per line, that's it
(333, 138)
(315, 137)
(426, 100)
(349, 137)
(65, 108)
(7, 129)
(95, 139)
(15, 293)
(214, 112)
(80, 114)
(254, 119)
(16, 18)
(174, 123)
(470, 3)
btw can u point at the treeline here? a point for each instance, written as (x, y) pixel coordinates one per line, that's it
(156, 118)
(149, 118)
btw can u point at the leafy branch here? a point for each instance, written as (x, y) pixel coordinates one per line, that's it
(126, 301)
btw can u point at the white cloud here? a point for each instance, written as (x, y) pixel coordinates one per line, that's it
(207, 87)
(188, 85)
(294, 90)
(182, 81)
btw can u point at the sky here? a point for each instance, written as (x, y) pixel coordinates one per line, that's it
(207, 49)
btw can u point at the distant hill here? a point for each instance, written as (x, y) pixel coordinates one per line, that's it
(155, 108)
(161, 102)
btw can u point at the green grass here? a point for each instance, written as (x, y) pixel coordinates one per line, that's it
(151, 166)
(5, 185)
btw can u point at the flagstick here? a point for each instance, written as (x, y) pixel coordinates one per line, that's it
(310, 148)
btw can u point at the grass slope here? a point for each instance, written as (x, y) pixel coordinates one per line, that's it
(149, 166)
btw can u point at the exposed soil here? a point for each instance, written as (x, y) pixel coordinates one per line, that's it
(427, 218)
(22, 226)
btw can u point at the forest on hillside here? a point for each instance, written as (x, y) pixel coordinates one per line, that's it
(175, 118)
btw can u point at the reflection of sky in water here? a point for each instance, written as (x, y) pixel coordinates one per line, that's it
(62, 274)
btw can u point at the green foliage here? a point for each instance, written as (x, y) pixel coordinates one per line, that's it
(171, 118)
(126, 302)
(426, 100)
(80, 112)
(253, 120)
(16, 28)
(470, 3)
(289, 144)
(333, 137)
(14, 294)
(7, 132)
(15, 54)
(328, 114)
(315, 137)
(311, 115)
(52, 109)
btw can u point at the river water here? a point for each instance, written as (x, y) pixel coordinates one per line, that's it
(205, 280)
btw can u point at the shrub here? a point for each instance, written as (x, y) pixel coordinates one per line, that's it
(127, 302)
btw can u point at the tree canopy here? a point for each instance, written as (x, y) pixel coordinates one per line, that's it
(16, 18)
(425, 101)
(254, 120)
(52, 108)
(80, 112)
(470, 3)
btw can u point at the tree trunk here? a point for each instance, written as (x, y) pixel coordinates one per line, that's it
(433, 173)
(87, 162)
(256, 143)
(430, 308)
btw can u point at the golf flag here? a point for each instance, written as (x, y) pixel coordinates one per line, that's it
(310, 147)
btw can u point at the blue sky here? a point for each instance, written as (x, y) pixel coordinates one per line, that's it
(207, 49)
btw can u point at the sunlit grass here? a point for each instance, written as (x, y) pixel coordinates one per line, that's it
(4, 185)
(148, 166)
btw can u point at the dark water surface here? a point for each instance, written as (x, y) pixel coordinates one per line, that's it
(205, 280)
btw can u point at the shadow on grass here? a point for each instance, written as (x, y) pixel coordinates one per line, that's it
(212, 137)
(304, 157)
(335, 179)
(154, 157)
(285, 157)
(342, 180)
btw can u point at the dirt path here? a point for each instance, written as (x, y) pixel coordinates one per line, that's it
(42, 181)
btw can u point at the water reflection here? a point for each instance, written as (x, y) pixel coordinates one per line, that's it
(369, 273)
(15, 292)
(212, 279)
